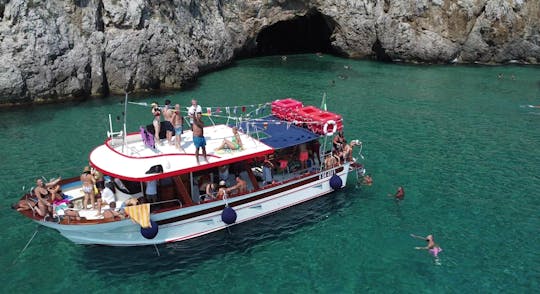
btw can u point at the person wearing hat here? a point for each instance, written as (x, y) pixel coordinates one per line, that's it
(88, 183)
(222, 190)
(192, 110)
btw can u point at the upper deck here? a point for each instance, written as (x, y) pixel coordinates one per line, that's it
(132, 160)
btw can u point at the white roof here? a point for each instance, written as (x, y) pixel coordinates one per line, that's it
(131, 162)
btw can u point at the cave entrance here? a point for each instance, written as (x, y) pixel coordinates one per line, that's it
(305, 34)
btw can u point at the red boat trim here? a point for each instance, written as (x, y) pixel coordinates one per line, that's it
(182, 171)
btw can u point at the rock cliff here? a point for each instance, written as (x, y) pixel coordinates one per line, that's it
(52, 49)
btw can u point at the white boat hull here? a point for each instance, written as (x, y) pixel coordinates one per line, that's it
(127, 233)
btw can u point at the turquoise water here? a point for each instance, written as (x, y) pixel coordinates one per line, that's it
(456, 137)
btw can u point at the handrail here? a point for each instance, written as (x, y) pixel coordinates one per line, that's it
(167, 201)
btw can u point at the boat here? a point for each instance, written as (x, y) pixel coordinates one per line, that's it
(268, 163)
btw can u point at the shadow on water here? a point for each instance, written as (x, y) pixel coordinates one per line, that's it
(187, 255)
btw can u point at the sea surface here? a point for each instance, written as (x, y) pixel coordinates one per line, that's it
(461, 141)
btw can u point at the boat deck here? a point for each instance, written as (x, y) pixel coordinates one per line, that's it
(132, 160)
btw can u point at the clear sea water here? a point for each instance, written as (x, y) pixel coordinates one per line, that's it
(460, 140)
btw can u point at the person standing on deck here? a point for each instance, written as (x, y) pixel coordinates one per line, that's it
(338, 141)
(198, 136)
(156, 112)
(193, 110)
(168, 124)
(151, 191)
(88, 183)
(303, 156)
(167, 105)
(177, 121)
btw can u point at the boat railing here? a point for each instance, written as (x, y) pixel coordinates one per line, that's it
(167, 201)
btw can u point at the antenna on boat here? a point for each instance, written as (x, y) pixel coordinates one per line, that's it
(323, 102)
(124, 137)
(323, 146)
(111, 133)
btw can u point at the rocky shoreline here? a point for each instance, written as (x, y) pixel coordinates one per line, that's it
(60, 50)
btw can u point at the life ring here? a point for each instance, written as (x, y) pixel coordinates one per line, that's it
(325, 128)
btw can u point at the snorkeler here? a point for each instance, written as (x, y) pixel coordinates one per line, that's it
(432, 247)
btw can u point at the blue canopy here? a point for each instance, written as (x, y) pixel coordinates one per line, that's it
(277, 133)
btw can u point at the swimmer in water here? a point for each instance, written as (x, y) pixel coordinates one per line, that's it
(400, 193)
(432, 247)
(367, 181)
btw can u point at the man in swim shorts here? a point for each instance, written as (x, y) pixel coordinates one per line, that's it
(177, 121)
(198, 136)
(168, 124)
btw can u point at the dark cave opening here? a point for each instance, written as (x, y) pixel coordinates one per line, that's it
(380, 52)
(304, 34)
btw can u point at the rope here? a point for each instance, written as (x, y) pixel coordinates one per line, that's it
(360, 151)
(157, 250)
(27, 244)
(225, 199)
(260, 108)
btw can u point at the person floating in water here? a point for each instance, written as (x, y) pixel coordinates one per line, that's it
(367, 181)
(432, 247)
(400, 193)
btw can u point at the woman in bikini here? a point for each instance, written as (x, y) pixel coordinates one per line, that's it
(234, 144)
(88, 183)
(45, 195)
(156, 112)
(432, 247)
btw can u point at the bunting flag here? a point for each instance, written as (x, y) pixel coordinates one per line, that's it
(243, 109)
(140, 214)
(209, 110)
(234, 110)
(228, 110)
(218, 110)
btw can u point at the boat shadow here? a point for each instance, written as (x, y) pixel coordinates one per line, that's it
(187, 255)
